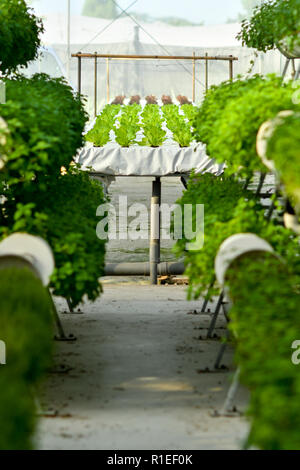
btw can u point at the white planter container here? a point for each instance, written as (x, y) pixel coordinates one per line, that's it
(36, 253)
(265, 132)
(235, 246)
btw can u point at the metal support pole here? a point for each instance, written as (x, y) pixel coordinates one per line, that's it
(206, 72)
(154, 256)
(228, 406)
(107, 80)
(293, 69)
(287, 63)
(206, 300)
(194, 74)
(215, 316)
(95, 86)
(262, 178)
(79, 73)
(61, 334)
(221, 352)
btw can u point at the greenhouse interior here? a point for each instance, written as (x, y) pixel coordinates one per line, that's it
(150, 221)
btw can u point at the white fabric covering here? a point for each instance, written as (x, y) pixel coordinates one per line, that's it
(169, 159)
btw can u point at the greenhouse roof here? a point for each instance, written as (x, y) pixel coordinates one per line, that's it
(84, 29)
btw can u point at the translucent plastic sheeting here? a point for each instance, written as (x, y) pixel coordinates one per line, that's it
(152, 77)
(169, 159)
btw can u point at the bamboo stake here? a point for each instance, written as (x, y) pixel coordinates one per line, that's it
(107, 79)
(194, 72)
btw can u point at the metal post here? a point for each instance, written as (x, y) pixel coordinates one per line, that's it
(194, 73)
(228, 406)
(79, 73)
(293, 69)
(206, 72)
(95, 86)
(215, 316)
(287, 63)
(154, 255)
(107, 79)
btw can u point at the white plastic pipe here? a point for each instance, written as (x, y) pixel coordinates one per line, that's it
(33, 250)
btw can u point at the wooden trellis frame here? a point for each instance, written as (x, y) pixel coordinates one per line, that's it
(206, 58)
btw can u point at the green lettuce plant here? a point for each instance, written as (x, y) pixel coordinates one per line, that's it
(128, 125)
(152, 122)
(177, 124)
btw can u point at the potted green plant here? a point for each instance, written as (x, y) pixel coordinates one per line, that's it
(275, 23)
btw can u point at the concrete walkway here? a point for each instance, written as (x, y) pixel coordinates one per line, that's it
(137, 377)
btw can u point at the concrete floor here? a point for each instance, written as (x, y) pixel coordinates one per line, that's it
(137, 378)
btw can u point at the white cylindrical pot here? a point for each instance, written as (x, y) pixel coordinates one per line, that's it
(235, 246)
(34, 250)
(265, 132)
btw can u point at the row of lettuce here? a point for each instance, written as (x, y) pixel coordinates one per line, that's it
(41, 127)
(266, 297)
(146, 126)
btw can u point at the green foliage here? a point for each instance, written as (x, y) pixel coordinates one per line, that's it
(26, 328)
(190, 112)
(216, 99)
(46, 121)
(284, 149)
(265, 321)
(177, 124)
(100, 8)
(229, 119)
(228, 209)
(152, 122)
(128, 125)
(99, 134)
(65, 215)
(19, 34)
(271, 22)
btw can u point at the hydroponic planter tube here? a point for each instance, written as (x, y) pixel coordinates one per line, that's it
(286, 51)
(113, 160)
(265, 132)
(34, 251)
(235, 246)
